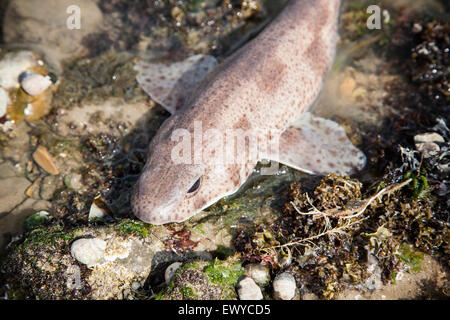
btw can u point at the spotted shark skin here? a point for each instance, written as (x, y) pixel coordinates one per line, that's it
(267, 85)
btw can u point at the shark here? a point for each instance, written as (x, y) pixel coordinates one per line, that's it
(260, 95)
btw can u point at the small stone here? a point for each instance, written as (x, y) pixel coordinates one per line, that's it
(88, 251)
(177, 14)
(347, 86)
(45, 160)
(284, 286)
(428, 137)
(428, 149)
(73, 181)
(95, 212)
(247, 289)
(4, 101)
(34, 84)
(170, 271)
(258, 272)
(12, 65)
(135, 285)
(48, 187)
(427, 143)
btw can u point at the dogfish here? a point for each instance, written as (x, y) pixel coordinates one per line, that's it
(253, 106)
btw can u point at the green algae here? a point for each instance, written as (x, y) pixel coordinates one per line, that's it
(199, 279)
(411, 258)
(35, 220)
(133, 227)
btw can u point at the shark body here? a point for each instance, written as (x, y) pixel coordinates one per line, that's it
(263, 90)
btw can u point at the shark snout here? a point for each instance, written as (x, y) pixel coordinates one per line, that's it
(149, 209)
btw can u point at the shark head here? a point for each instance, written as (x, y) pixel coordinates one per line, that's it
(169, 190)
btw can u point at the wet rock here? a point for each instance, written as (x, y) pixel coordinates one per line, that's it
(36, 220)
(73, 181)
(88, 251)
(284, 286)
(170, 271)
(14, 193)
(48, 187)
(11, 224)
(204, 280)
(248, 290)
(43, 24)
(258, 272)
(133, 251)
(34, 84)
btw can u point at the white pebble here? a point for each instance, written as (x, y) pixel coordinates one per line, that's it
(88, 251)
(258, 272)
(4, 101)
(247, 289)
(95, 212)
(34, 84)
(284, 286)
(170, 271)
(428, 137)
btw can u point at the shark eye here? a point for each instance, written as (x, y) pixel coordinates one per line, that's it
(195, 186)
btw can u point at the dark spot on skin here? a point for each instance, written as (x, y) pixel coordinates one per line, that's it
(331, 164)
(333, 153)
(272, 72)
(243, 124)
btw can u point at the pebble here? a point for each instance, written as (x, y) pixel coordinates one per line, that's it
(347, 86)
(12, 65)
(427, 143)
(34, 84)
(284, 286)
(88, 251)
(95, 212)
(4, 101)
(170, 271)
(258, 272)
(247, 289)
(429, 137)
(45, 160)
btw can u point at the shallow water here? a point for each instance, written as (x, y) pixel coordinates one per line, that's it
(129, 36)
(104, 159)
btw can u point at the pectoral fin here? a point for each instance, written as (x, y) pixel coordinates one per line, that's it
(171, 85)
(319, 146)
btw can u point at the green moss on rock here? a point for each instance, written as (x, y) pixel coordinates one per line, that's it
(204, 280)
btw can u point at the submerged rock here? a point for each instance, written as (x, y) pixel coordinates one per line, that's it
(248, 290)
(50, 26)
(284, 286)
